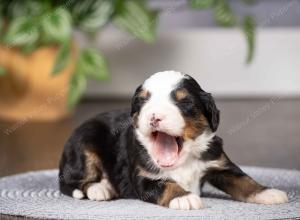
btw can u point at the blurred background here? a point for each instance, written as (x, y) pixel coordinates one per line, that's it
(62, 62)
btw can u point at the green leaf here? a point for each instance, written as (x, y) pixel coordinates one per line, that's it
(249, 31)
(202, 4)
(57, 25)
(2, 71)
(21, 31)
(26, 8)
(76, 89)
(93, 64)
(97, 17)
(223, 14)
(62, 58)
(134, 17)
(80, 9)
(1, 25)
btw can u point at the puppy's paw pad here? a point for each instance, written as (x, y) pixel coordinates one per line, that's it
(269, 197)
(98, 192)
(190, 201)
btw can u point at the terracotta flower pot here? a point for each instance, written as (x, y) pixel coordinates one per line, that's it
(27, 90)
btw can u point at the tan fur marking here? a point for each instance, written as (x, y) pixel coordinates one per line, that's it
(93, 168)
(222, 161)
(135, 120)
(144, 94)
(144, 173)
(181, 94)
(193, 128)
(172, 190)
(238, 185)
(241, 188)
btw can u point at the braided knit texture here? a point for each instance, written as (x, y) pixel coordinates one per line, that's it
(36, 194)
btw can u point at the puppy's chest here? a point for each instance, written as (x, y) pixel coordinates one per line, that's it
(188, 176)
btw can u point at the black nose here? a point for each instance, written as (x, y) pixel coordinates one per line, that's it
(154, 121)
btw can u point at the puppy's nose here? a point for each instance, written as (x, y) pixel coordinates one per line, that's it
(154, 121)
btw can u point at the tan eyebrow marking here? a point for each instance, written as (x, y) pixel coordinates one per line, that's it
(144, 94)
(181, 94)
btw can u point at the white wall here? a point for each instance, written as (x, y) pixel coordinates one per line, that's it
(215, 57)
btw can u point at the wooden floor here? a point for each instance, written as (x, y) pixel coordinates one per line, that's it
(256, 132)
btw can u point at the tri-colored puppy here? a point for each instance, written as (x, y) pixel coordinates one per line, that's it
(161, 151)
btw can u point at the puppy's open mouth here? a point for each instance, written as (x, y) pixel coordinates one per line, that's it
(166, 148)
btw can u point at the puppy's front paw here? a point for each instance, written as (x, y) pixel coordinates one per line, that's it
(190, 201)
(269, 197)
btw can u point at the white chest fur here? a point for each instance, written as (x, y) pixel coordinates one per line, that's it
(189, 175)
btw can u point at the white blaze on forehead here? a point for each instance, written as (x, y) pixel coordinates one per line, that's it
(162, 83)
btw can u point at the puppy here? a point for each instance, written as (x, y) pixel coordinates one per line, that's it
(161, 151)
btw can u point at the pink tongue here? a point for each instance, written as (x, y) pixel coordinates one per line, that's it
(165, 149)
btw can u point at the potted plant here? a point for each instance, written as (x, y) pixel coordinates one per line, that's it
(43, 71)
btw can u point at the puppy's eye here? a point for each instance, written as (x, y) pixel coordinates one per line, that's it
(186, 101)
(144, 96)
(141, 100)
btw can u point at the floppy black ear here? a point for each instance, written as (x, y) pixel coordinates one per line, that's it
(135, 102)
(210, 110)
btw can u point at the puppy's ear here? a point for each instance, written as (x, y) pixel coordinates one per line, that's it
(135, 102)
(210, 110)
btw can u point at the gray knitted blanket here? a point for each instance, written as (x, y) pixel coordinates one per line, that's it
(36, 194)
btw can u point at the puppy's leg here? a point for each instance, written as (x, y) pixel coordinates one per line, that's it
(240, 186)
(173, 196)
(81, 175)
(95, 184)
(166, 193)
